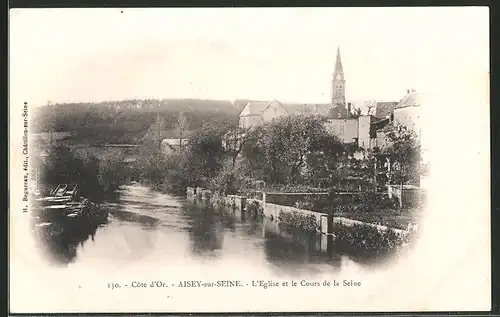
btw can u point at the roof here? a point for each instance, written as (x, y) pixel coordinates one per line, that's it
(257, 107)
(294, 108)
(253, 108)
(324, 108)
(173, 142)
(241, 103)
(384, 108)
(411, 99)
(381, 125)
(307, 108)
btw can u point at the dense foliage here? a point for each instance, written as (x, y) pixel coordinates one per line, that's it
(361, 202)
(368, 240)
(292, 150)
(198, 164)
(404, 148)
(254, 210)
(289, 151)
(128, 121)
(388, 218)
(96, 177)
(294, 220)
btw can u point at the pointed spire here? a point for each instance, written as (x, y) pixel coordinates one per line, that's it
(338, 63)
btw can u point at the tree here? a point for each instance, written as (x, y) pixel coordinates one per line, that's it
(294, 146)
(254, 163)
(356, 112)
(322, 160)
(205, 154)
(404, 148)
(94, 176)
(371, 106)
(237, 138)
(156, 133)
(182, 123)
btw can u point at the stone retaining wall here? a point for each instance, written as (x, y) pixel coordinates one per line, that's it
(190, 191)
(272, 210)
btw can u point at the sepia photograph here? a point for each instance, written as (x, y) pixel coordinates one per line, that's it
(249, 159)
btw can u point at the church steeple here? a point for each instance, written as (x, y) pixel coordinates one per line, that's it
(338, 65)
(338, 86)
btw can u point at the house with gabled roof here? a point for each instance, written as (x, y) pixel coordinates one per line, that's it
(384, 109)
(407, 113)
(361, 130)
(257, 112)
(251, 115)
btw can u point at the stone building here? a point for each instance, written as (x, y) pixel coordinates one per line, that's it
(172, 146)
(258, 112)
(406, 113)
(366, 131)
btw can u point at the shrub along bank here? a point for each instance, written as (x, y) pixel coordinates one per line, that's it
(360, 239)
(292, 221)
(255, 210)
(98, 178)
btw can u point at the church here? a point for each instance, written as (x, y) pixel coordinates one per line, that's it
(364, 130)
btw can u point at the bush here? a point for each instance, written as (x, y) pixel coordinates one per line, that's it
(225, 183)
(297, 188)
(365, 239)
(306, 204)
(111, 174)
(166, 173)
(255, 210)
(314, 203)
(364, 202)
(96, 177)
(295, 220)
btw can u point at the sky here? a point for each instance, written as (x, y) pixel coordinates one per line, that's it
(288, 54)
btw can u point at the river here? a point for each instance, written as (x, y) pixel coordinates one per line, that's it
(147, 225)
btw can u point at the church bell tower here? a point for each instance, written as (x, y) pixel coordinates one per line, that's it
(338, 85)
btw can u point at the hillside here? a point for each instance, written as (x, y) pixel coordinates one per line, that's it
(127, 121)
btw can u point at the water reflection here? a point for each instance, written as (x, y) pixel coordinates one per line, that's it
(146, 223)
(62, 238)
(206, 229)
(282, 247)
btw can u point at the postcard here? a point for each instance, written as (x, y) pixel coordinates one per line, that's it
(249, 160)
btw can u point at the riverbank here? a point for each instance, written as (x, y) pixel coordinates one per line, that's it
(351, 235)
